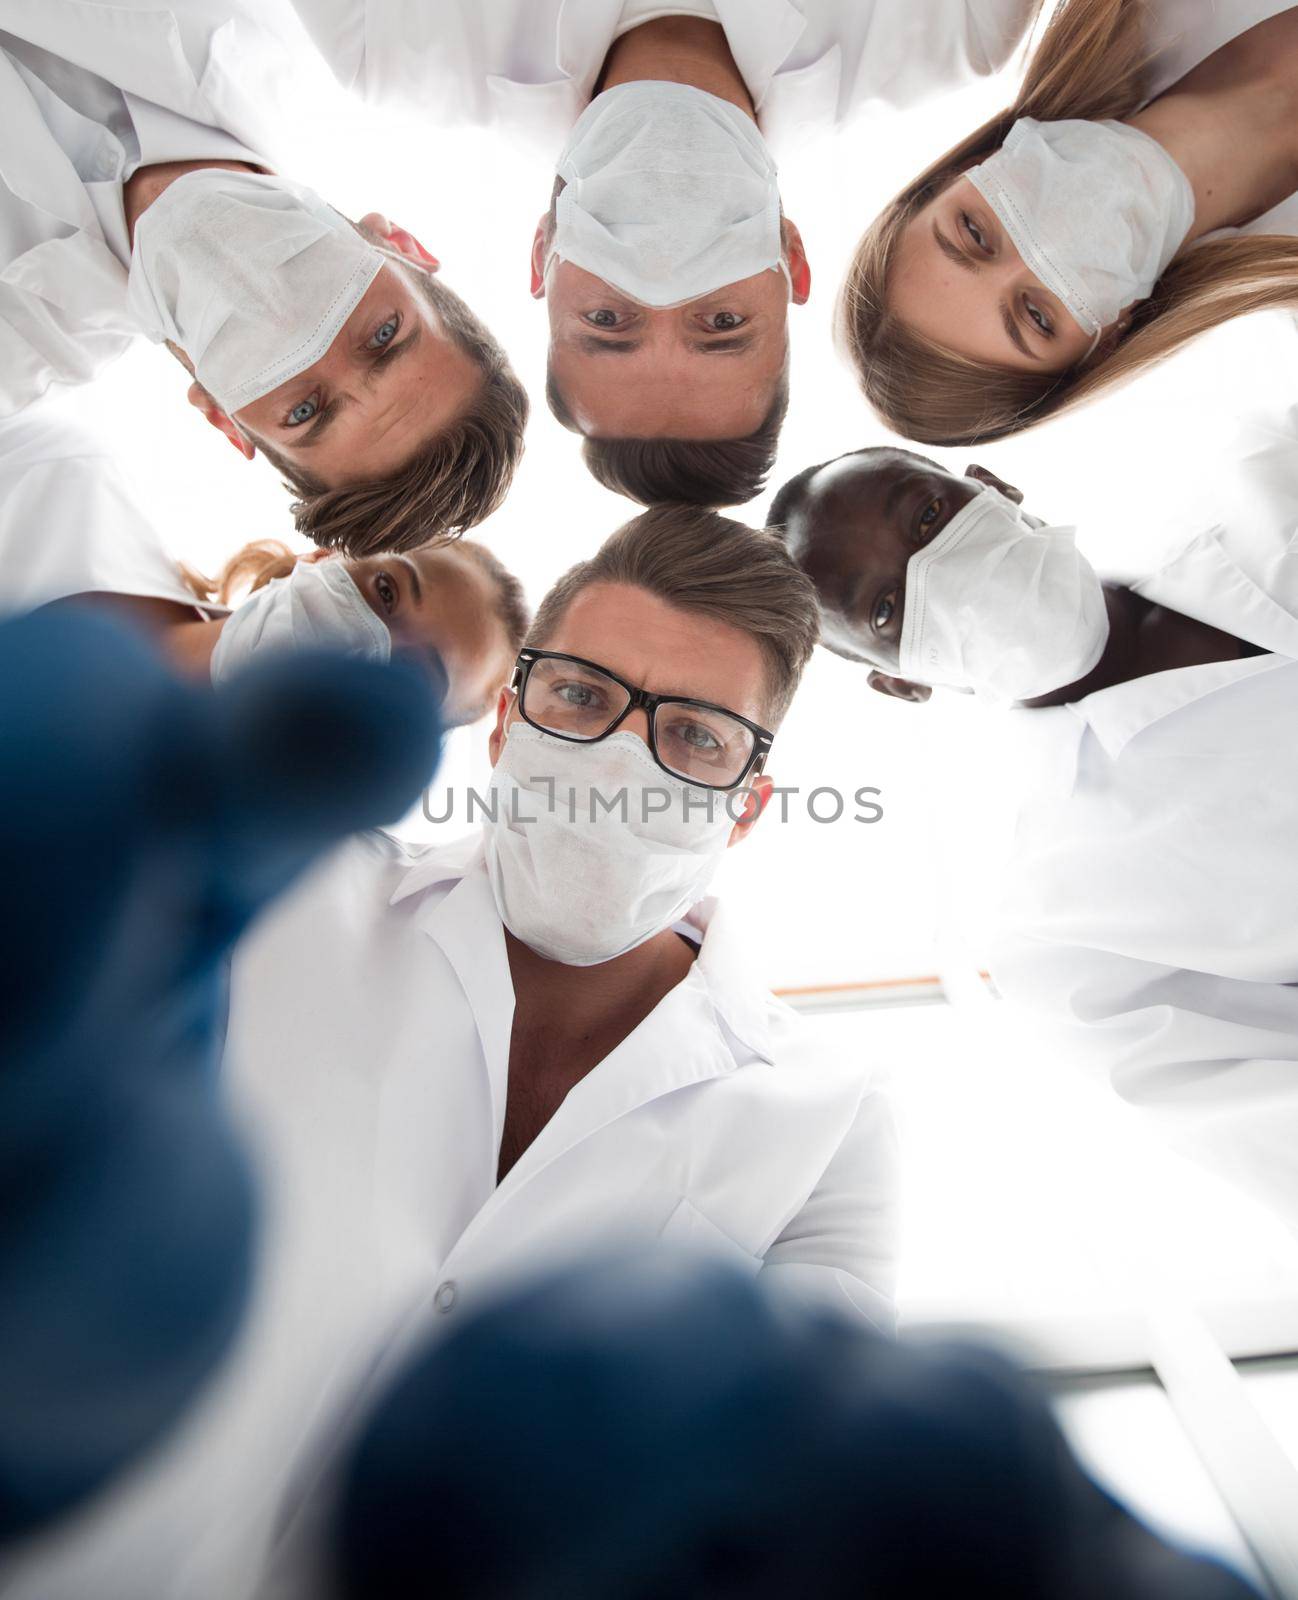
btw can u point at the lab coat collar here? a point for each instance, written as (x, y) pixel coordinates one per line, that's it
(762, 35)
(1118, 714)
(464, 925)
(726, 966)
(1203, 581)
(723, 962)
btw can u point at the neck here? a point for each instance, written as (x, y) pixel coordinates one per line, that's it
(1145, 638)
(684, 50)
(1231, 126)
(581, 1001)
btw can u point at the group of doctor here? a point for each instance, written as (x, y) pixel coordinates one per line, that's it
(468, 1060)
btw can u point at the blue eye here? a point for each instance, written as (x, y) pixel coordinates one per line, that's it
(302, 412)
(384, 335)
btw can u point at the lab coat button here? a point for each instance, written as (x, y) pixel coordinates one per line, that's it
(444, 1299)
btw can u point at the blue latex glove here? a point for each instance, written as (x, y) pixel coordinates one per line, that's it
(142, 824)
(650, 1429)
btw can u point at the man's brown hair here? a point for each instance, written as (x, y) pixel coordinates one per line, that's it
(696, 472)
(451, 483)
(715, 567)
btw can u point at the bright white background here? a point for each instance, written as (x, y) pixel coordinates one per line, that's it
(1017, 1180)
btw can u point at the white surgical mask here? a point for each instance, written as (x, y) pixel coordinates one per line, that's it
(1096, 210)
(594, 848)
(316, 607)
(253, 277)
(669, 193)
(1001, 608)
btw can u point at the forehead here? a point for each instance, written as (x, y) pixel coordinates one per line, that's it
(663, 648)
(855, 502)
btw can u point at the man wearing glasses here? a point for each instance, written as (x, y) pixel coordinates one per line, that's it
(463, 1062)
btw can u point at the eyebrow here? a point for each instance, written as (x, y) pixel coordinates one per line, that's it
(415, 584)
(320, 425)
(393, 353)
(723, 347)
(591, 344)
(1015, 332)
(949, 248)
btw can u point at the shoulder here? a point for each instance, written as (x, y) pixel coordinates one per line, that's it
(361, 887)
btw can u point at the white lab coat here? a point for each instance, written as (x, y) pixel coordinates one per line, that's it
(529, 66)
(1148, 917)
(1184, 33)
(90, 90)
(367, 1054)
(70, 522)
(377, 1003)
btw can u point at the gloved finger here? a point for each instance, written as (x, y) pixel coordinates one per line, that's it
(80, 704)
(312, 748)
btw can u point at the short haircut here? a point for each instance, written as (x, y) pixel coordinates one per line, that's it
(509, 604)
(714, 567)
(451, 483)
(508, 598)
(696, 472)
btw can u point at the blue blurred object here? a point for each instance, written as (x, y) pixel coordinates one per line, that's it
(653, 1429)
(142, 824)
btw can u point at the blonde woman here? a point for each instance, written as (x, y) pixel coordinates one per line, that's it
(1142, 189)
(72, 533)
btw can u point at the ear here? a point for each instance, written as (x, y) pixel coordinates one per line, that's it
(221, 421)
(987, 476)
(754, 794)
(399, 240)
(496, 743)
(900, 688)
(539, 252)
(799, 269)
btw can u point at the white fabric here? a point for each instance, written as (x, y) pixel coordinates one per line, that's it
(530, 66)
(1096, 210)
(252, 276)
(592, 849)
(995, 605)
(368, 1053)
(635, 13)
(88, 91)
(70, 523)
(669, 193)
(1148, 915)
(316, 607)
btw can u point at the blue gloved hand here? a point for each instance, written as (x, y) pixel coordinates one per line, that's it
(654, 1427)
(142, 824)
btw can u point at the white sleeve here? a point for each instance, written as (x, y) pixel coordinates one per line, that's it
(840, 1250)
(1210, 1062)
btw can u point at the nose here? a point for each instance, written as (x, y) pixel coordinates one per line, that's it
(637, 723)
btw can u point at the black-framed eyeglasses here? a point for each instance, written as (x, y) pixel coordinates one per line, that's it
(694, 740)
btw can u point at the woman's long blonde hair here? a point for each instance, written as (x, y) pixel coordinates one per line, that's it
(253, 568)
(1092, 62)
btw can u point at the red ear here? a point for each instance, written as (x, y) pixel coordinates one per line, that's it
(221, 420)
(538, 259)
(401, 240)
(411, 248)
(799, 267)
